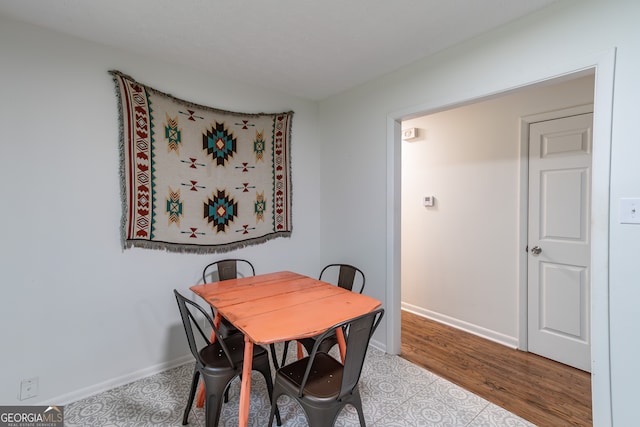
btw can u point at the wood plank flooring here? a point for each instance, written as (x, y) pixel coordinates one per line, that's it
(537, 389)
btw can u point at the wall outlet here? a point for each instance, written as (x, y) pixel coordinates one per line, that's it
(28, 388)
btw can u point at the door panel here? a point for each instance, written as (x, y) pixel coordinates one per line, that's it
(559, 215)
(563, 197)
(563, 295)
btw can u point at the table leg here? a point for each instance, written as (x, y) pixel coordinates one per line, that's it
(245, 388)
(341, 343)
(200, 398)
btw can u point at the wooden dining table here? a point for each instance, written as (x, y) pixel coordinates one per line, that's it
(277, 307)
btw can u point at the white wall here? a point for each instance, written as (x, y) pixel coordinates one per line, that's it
(77, 311)
(553, 42)
(460, 258)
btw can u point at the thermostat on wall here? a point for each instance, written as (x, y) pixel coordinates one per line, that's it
(428, 201)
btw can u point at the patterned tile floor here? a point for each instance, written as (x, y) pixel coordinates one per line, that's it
(394, 392)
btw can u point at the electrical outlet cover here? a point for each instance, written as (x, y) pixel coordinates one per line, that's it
(29, 388)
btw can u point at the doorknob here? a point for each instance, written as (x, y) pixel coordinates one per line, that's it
(536, 250)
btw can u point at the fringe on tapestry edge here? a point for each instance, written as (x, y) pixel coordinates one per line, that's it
(121, 167)
(179, 248)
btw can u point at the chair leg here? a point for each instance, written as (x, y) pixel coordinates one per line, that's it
(192, 395)
(226, 393)
(321, 416)
(274, 356)
(213, 406)
(284, 353)
(266, 373)
(274, 409)
(356, 401)
(361, 416)
(215, 387)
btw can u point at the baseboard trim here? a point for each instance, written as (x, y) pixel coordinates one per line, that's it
(494, 336)
(379, 345)
(92, 390)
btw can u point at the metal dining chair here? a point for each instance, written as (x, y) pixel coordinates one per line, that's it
(227, 269)
(345, 276)
(321, 384)
(218, 362)
(348, 276)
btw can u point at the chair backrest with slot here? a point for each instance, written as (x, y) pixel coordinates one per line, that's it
(358, 334)
(348, 276)
(227, 269)
(189, 312)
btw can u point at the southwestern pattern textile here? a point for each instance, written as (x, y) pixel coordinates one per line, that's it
(199, 179)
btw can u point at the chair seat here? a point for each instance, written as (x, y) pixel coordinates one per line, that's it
(324, 380)
(215, 359)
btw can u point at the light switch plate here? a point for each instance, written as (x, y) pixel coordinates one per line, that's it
(630, 211)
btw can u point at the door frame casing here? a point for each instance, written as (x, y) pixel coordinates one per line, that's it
(604, 65)
(523, 211)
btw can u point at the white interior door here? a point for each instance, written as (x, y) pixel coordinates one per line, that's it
(559, 241)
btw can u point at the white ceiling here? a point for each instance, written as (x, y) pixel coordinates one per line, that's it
(306, 48)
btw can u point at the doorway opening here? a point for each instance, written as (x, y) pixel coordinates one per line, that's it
(463, 252)
(599, 225)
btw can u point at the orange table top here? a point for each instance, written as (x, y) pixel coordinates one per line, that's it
(283, 306)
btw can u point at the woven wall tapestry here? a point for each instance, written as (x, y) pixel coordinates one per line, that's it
(199, 179)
